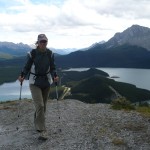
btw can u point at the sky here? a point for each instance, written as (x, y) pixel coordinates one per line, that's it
(69, 23)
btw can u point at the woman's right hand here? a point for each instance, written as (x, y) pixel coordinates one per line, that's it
(21, 79)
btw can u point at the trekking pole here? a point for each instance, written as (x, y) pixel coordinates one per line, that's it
(20, 98)
(57, 103)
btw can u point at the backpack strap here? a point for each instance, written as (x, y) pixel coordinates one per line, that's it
(49, 53)
(32, 55)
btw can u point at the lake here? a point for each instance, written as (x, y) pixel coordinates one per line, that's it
(11, 91)
(138, 77)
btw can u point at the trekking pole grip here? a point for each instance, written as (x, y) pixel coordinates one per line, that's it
(21, 77)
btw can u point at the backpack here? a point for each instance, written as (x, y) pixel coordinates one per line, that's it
(33, 54)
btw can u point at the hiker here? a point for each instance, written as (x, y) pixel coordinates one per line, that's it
(41, 71)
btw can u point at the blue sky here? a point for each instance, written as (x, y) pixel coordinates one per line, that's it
(69, 23)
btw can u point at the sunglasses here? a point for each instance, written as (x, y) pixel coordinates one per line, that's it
(43, 41)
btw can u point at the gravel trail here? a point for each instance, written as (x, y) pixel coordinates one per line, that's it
(83, 127)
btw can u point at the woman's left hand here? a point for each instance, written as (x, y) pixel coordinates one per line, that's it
(56, 79)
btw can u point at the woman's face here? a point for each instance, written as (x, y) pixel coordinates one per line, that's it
(42, 44)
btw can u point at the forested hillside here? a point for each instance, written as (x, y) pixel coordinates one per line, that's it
(125, 56)
(93, 86)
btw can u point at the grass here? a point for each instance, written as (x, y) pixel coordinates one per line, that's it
(123, 103)
(135, 127)
(145, 111)
(118, 141)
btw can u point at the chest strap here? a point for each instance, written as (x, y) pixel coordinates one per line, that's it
(40, 75)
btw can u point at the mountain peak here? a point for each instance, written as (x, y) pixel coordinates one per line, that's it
(137, 30)
(134, 35)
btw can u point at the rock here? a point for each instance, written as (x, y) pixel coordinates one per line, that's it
(83, 127)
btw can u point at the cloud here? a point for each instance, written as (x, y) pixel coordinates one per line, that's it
(117, 8)
(70, 23)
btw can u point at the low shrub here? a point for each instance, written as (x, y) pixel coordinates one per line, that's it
(122, 103)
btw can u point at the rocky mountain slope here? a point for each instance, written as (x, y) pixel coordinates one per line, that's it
(83, 127)
(134, 35)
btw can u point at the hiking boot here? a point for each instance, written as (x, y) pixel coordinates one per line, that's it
(43, 135)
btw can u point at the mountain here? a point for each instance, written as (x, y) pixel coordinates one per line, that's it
(69, 76)
(63, 51)
(70, 50)
(92, 46)
(129, 49)
(12, 49)
(134, 35)
(96, 89)
(125, 56)
(93, 86)
(9, 50)
(5, 56)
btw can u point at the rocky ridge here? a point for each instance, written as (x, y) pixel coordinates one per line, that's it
(83, 127)
(134, 35)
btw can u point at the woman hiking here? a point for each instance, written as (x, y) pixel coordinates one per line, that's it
(41, 69)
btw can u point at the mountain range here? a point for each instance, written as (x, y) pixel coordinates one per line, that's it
(128, 49)
(10, 50)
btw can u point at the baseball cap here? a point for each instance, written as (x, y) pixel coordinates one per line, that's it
(42, 37)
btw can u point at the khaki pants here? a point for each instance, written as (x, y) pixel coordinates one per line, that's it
(39, 97)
